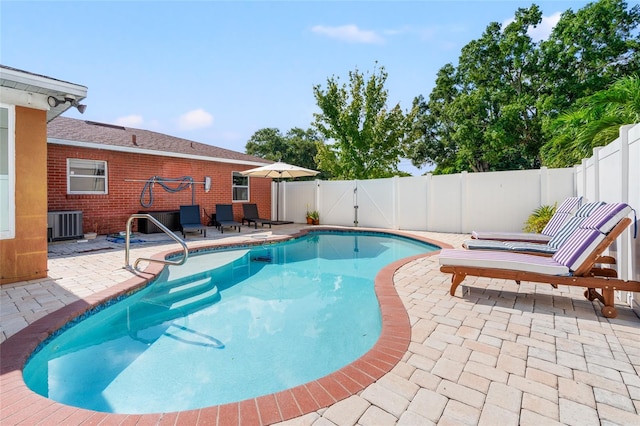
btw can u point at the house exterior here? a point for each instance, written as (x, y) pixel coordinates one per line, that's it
(27, 102)
(106, 172)
(54, 164)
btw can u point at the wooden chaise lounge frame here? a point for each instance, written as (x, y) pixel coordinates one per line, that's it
(586, 275)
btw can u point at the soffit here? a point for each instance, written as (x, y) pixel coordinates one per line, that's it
(38, 88)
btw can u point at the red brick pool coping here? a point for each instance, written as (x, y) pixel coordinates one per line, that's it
(22, 405)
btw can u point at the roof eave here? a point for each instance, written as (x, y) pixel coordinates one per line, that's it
(32, 90)
(93, 145)
(43, 82)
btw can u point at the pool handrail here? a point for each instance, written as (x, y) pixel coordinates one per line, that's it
(164, 229)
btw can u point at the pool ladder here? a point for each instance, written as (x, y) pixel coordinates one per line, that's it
(164, 229)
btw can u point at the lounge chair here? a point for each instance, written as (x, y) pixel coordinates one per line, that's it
(251, 215)
(548, 249)
(224, 217)
(190, 220)
(562, 214)
(574, 264)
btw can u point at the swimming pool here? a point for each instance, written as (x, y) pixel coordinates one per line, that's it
(273, 311)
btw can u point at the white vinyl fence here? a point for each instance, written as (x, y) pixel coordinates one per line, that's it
(612, 174)
(457, 203)
(461, 203)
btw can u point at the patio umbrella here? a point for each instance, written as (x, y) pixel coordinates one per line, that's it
(279, 170)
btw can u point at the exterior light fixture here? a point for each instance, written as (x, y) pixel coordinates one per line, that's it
(54, 102)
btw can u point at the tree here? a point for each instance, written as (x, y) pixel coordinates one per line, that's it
(366, 140)
(303, 148)
(494, 111)
(267, 143)
(586, 52)
(479, 116)
(436, 126)
(298, 147)
(594, 121)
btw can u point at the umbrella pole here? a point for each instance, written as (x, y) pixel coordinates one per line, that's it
(278, 202)
(278, 197)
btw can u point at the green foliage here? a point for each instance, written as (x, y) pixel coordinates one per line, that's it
(594, 121)
(495, 110)
(539, 218)
(587, 51)
(313, 215)
(268, 143)
(366, 140)
(298, 147)
(479, 116)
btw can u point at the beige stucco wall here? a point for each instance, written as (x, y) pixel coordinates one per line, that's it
(25, 256)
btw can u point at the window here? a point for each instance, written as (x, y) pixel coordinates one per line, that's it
(7, 172)
(240, 187)
(86, 176)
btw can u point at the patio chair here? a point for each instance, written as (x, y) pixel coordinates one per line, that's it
(251, 215)
(562, 214)
(548, 249)
(224, 217)
(190, 220)
(574, 264)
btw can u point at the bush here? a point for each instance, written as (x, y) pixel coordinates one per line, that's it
(539, 218)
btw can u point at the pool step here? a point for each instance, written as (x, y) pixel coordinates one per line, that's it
(171, 291)
(202, 264)
(170, 302)
(211, 295)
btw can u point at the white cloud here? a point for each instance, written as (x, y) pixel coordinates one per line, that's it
(543, 30)
(132, 120)
(350, 33)
(196, 119)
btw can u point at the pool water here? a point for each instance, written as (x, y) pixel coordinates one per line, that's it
(226, 326)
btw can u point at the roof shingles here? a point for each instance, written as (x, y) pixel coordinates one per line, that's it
(70, 129)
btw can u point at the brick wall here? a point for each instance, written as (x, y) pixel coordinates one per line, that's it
(109, 213)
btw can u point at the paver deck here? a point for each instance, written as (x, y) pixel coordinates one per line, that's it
(496, 353)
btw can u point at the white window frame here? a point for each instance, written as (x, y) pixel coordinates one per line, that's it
(8, 181)
(72, 176)
(234, 186)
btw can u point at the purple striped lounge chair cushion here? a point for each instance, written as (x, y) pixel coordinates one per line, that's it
(605, 217)
(570, 205)
(563, 213)
(502, 260)
(485, 245)
(507, 236)
(578, 247)
(555, 224)
(572, 224)
(521, 246)
(530, 247)
(586, 209)
(565, 232)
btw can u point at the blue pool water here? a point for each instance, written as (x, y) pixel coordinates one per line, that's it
(226, 326)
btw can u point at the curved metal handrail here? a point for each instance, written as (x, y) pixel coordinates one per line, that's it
(165, 230)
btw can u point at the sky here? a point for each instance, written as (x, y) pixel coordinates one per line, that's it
(215, 72)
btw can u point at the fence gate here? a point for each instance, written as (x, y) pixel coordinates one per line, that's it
(337, 205)
(376, 203)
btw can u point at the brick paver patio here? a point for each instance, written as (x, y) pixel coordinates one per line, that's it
(497, 353)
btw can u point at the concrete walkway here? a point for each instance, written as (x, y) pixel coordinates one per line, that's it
(496, 354)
